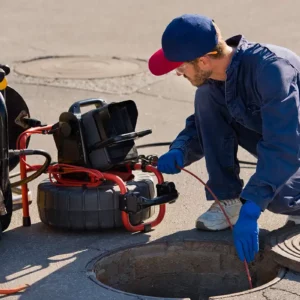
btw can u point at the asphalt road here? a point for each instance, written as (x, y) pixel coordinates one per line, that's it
(53, 262)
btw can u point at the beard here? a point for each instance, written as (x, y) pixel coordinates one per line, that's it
(200, 77)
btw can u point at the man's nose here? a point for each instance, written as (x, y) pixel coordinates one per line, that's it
(178, 73)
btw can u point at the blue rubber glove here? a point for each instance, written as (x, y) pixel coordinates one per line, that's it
(168, 161)
(246, 230)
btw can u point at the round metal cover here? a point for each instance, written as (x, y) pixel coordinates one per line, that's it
(16, 108)
(80, 67)
(285, 245)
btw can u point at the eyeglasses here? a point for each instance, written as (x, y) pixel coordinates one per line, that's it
(181, 69)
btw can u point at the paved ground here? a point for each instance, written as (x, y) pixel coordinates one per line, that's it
(54, 262)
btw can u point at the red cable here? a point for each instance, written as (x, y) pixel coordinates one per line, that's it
(13, 290)
(56, 172)
(222, 208)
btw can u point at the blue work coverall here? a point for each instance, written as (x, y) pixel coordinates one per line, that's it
(257, 107)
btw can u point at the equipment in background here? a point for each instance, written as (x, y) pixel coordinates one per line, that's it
(5, 189)
(99, 181)
(18, 118)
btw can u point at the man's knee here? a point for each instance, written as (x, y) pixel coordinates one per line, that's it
(203, 97)
(203, 91)
(210, 100)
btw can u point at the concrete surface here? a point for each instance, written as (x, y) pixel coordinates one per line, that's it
(54, 262)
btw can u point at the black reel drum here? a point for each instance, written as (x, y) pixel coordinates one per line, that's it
(77, 208)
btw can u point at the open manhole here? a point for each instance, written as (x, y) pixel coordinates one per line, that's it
(182, 270)
(80, 67)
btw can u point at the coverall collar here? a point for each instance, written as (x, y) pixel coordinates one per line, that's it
(240, 44)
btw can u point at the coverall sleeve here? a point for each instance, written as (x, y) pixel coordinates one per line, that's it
(188, 141)
(278, 151)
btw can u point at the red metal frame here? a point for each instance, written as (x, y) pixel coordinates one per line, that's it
(162, 207)
(21, 144)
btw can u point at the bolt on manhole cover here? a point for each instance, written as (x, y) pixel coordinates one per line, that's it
(195, 270)
(80, 67)
(285, 246)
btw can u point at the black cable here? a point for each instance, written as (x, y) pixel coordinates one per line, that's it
(13, 175)
(36, 174)
(17, 174)
(169, 143)
(247, 162)
(153, 145)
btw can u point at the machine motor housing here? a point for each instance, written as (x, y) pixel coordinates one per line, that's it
(101, 138)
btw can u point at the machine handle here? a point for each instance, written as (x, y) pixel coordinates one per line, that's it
(75, 108)
(134, 203)
(119, 139)
(170, 198)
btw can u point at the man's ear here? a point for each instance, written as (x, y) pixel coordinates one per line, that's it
(204, 62)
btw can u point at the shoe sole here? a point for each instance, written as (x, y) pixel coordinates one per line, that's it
(291, 224)
(201, 226)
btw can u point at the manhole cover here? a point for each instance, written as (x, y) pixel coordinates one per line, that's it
(285, 246)
(80, 67)
(189, 269)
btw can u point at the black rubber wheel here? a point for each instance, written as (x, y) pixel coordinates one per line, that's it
(5, 220)
(77, 208)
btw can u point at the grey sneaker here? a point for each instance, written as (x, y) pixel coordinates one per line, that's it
(214, 218)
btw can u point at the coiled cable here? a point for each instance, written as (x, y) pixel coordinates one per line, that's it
(39, 171)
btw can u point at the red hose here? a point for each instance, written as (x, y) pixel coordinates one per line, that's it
(13, 290)
(56, 171)
(231, 227)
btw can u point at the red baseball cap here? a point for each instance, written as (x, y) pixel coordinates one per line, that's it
(159, 65)
(187, 37)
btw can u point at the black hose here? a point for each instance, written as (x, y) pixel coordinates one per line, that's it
(36, 174)
(153, 145)
(247, 162)
(169, 143)
(17, 174)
